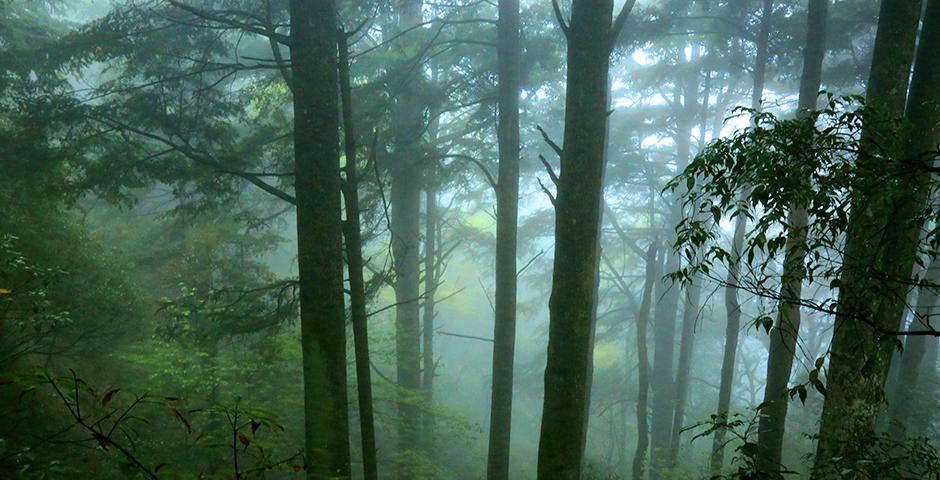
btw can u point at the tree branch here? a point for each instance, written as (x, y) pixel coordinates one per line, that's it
(559, 17)
(620, 21)
(549, 141)
(220, 18)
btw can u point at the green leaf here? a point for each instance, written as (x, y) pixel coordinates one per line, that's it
(820, 387)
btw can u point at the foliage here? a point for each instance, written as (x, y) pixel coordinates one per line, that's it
(770, 168)
(740, 431)
(892, 459)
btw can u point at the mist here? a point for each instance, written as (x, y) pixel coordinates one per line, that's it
(464, 240)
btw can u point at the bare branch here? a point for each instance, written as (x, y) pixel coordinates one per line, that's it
(549, 141)
(489, 177)
(559, 17)
(204, 159)
(551, 197)
(471, 337)
(549, 169)
(620, 21)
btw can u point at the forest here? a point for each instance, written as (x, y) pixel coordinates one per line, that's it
(469, 239)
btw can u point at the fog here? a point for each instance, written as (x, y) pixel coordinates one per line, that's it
(573, 240)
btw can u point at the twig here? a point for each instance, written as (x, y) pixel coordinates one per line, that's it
(471, 337)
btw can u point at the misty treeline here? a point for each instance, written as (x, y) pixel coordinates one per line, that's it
(499, 239)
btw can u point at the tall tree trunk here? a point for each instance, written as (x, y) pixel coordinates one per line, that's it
(732, 330)
(904, 413)
(430, 285)
(732, 305)
(663, 385)
(354, 264)
(577, 232)
(882, 237)
(643, 369)
(319, 237)
(687, 118)
(509, 52)
(786, 329)
(405, 229)
(684, 366)
(921, 111)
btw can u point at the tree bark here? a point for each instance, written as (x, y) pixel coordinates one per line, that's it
(642, 396)
(354, 264)
(577, 231)
(319, 237)
(509, 52)
(882, 237)
(786, 329)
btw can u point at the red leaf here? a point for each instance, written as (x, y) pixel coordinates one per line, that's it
(244, 440)
(159, 466)
(108, 396)
(296, 467)
(181, 418)
(6, 381)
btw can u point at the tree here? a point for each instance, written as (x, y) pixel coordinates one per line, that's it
(922, 111)
(909, 411)
(405, 228)
(686, 118)
(352, 233)
(882, 237)
(664, 384)
(784, 334)
(642, 399)
(319, 237)
(509, 53)
(590, 36)
(732, 305)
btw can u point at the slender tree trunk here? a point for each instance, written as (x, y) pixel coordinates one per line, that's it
(509, 53)
(883, 233)
(732, 305)
(786, 329)
(354, 262)
(319, 237)
(690, 110)
(405, 229)
(684, 366)
(430, 285)
(732, 330)
(577, 231)
(663, 385)
(642, 396)
(406, 204)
